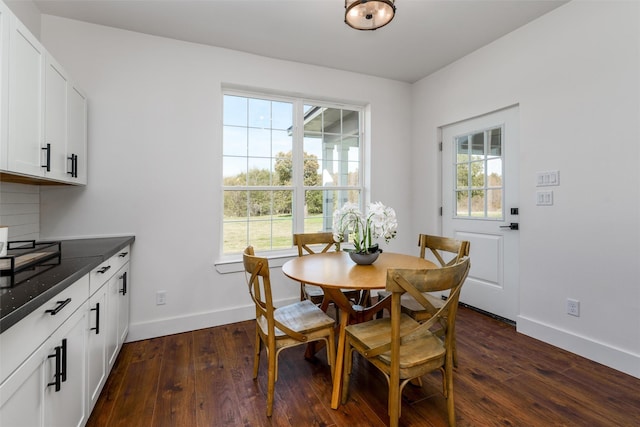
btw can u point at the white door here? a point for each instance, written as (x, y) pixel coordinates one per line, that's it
(480, 204)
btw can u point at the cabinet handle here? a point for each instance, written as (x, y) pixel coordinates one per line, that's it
(74, 165)
(123, 291)
(97, 310)
(104, 269)
(48, 150)
(123, 254)
(57, 377)
(60, 306)
(63, 368)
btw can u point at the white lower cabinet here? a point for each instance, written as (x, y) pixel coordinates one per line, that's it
(55, 362)
(97, 345)
(65, 392)
(49, 388)
(109, 305)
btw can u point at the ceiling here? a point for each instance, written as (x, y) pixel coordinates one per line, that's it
(425, 35)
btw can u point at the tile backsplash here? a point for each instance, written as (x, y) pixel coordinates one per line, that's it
(20, 210)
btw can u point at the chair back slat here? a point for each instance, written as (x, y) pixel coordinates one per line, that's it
(304, 241)
(445, 250)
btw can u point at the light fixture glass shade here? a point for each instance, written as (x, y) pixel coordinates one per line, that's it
(368, 14)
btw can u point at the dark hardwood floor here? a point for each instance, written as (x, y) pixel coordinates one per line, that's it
(203, 378)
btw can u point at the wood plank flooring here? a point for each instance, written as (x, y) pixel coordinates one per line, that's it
(204, 378)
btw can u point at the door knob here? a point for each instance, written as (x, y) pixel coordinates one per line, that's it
(512, 226)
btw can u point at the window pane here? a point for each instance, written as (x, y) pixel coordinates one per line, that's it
(312, 145)
(477, 146)
(463, 175)
(235, 205)
(462, 149)
(234, 171)
(477, 174)
(494, 173)
(259, 143)
(259, 113)
(259, 171)
(234, 141)
(495, 142)
(282, 115)
(494, 203)
(462, 203)
(281, 142)
(234, 234)
(320, 205)
(235, 110)
(477, 203)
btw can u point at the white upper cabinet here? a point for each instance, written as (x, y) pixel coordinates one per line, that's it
(25, 152)
(4, 82)
(55, 119)
(77, 136)
(43, 114)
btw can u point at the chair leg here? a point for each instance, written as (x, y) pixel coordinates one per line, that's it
(346, 373)
(395, 400)
(256, 356)
(271, 378)
(331, 354)
(451, 411)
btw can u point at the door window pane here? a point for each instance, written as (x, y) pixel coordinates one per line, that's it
(479, 167)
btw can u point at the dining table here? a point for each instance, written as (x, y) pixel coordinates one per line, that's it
(333, 271)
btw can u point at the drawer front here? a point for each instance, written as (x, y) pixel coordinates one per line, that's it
(19, 341)
(121, 258)
(105, 271)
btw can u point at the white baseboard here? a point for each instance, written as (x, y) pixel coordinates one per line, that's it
(618, 359)
(194, 321)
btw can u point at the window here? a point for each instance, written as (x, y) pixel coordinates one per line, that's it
(288, 163)
(479, 174)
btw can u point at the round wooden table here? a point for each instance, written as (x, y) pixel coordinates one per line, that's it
(334, 271)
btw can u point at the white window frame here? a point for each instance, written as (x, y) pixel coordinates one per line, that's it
(298, 188)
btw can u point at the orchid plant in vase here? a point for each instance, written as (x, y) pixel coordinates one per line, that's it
(379, 222)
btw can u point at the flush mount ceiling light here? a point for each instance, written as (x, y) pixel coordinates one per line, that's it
(368, 14)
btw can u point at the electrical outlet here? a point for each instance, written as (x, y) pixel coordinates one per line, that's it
(161, 297)
(573, 307)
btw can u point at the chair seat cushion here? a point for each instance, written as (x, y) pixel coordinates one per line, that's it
(416, 351)
(303, 316)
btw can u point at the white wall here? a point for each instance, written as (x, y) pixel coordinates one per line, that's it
(575, 74)
(155, 112)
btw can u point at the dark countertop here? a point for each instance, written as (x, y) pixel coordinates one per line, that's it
(78, 258)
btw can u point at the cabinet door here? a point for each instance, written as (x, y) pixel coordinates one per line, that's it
(77, 136)
(65, 406)
(97, 343)
(55, 119)
(4, 82)
(123, 304)
(26, 81)
(21, 394)
(112, 319)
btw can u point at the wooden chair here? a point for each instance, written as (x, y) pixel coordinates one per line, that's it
(446, 251)
(284, 327)
(324, 240)
(402, 348)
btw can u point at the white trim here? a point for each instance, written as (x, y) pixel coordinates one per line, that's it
(616, 358)
(195, 321)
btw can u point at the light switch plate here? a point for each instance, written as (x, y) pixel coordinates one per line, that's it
(548, 178)
(544, 198)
